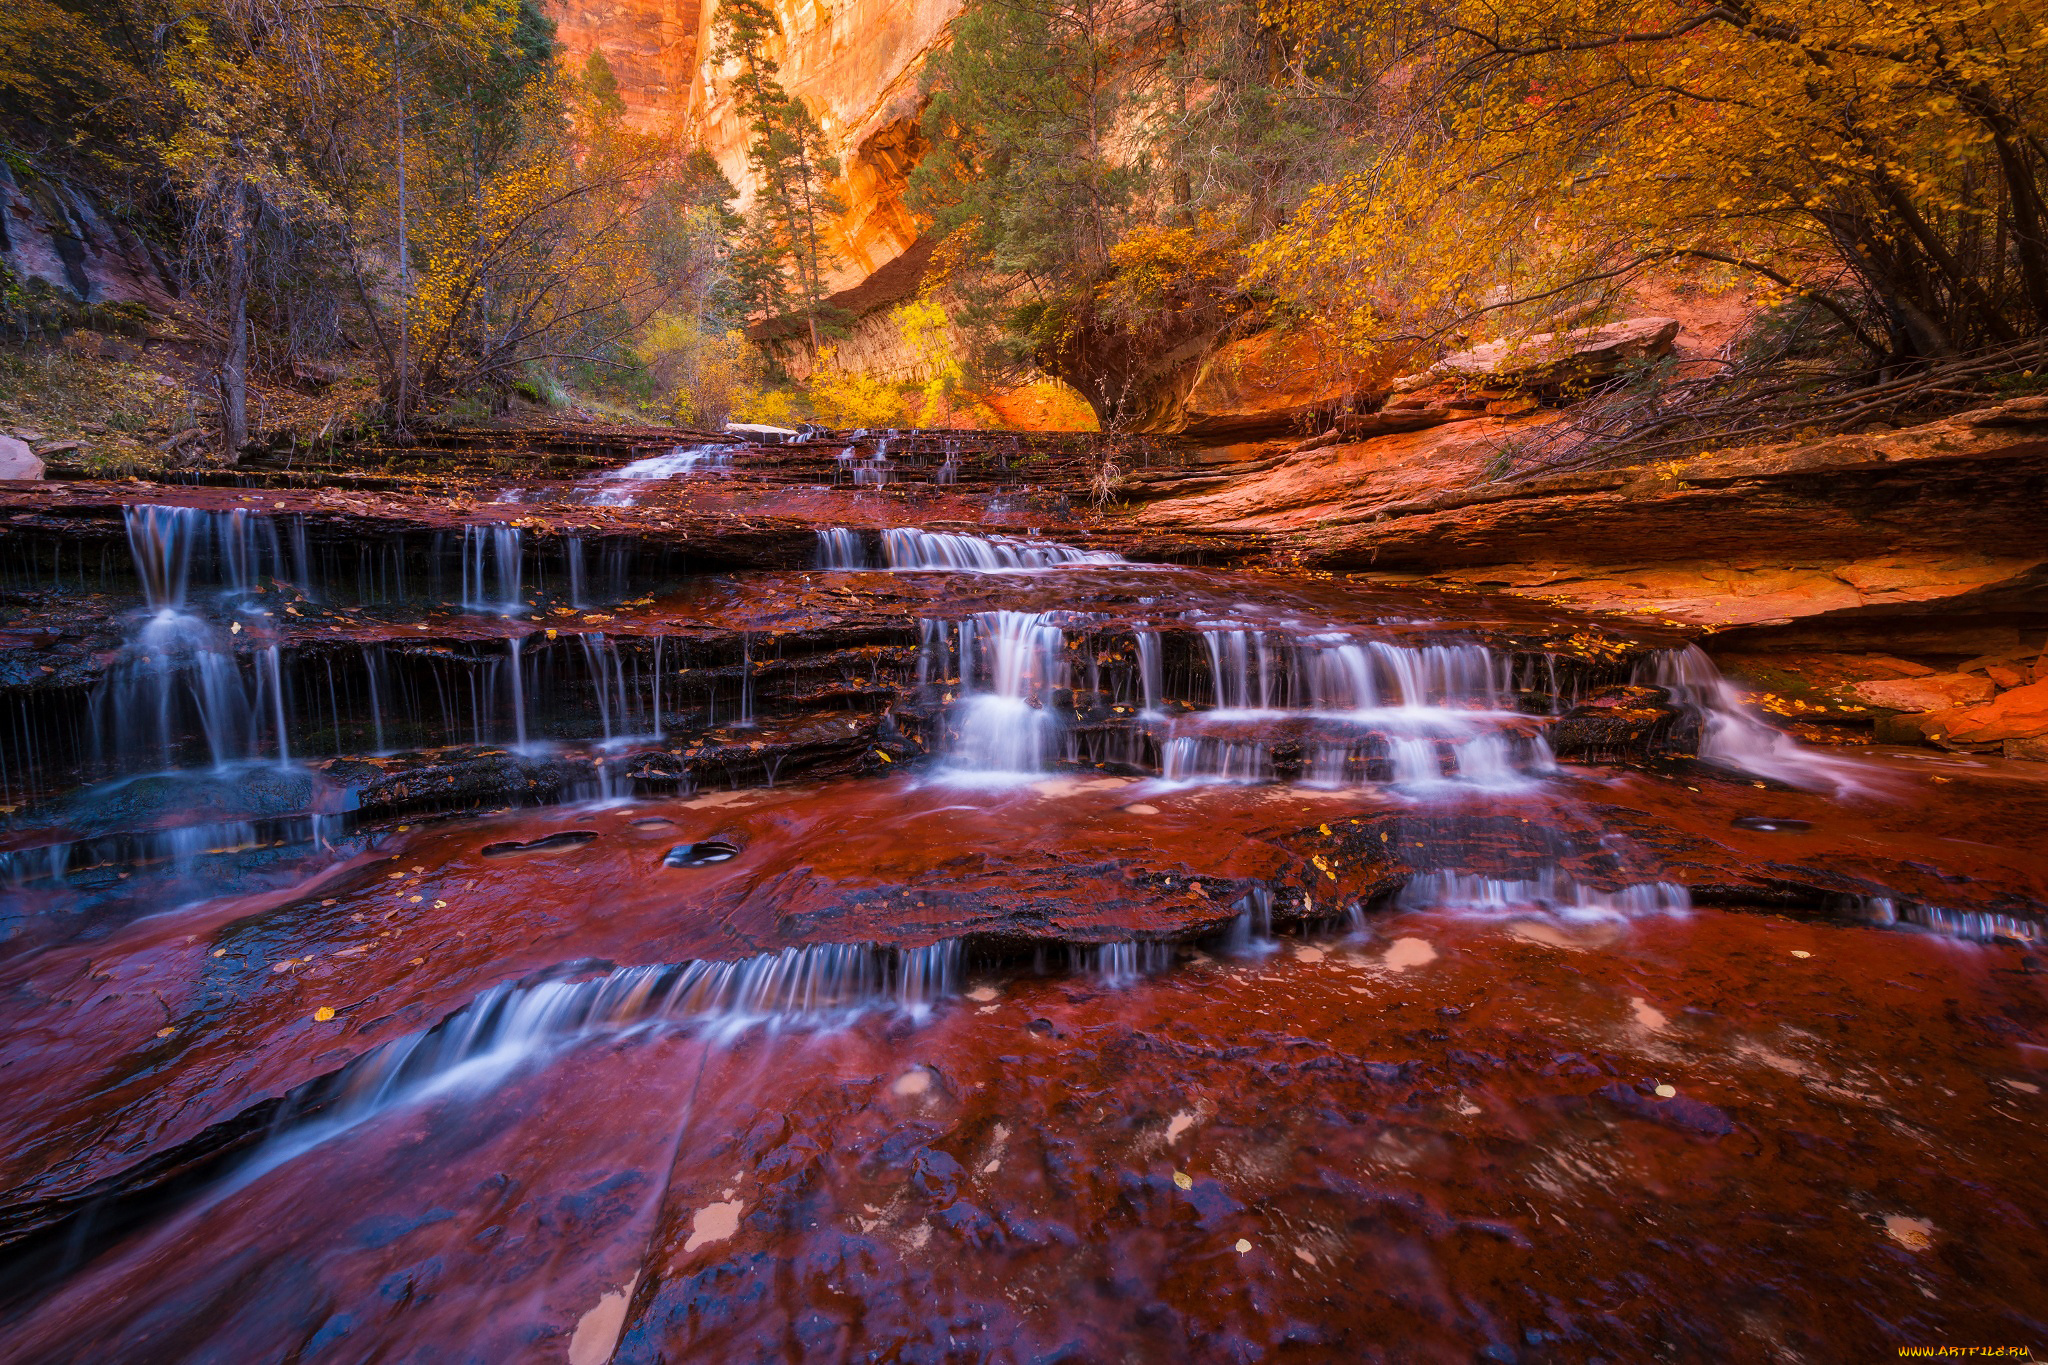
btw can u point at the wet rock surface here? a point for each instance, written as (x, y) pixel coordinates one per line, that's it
(720, 903)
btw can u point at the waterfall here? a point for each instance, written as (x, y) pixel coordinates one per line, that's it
(1252, 931)
(373, 670)
(270, 681)
(1185, 758)
(517, 674)
(840, 548)
(1550, 891)
(1126, 962)
(1253, 670)
(175, 672)
(161, 540)
(910, 548)
(234, 549)
(1151, 671)
(493, 553)
(682, 460)
(1007, 728)
(1733, 736)
(1415, 714)
(579, 593)
(826, 985)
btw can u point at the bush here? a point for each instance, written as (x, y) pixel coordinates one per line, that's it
(705, 377)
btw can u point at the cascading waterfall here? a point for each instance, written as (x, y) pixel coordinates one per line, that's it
(1550, 892)
(1255, 671)
(839, 548)
(1251, 933)
(910, 548)
(235, 549)
(1370, 706)
(492, 570)
(616, 680)
(160, 538)
(682, 461)
(1151, 671)
(822, 986)
(1005, 730)
(176, 674)
(579, 591)
(1733, 736)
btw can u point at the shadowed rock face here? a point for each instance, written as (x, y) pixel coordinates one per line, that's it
(736, 904)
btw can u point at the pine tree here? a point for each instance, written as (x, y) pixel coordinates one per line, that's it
(782, 259)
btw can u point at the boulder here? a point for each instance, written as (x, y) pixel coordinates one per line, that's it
(2021, 714)
(1550, 360)
(1273, 382)
(17, 461)
(1931, 692)
(1625, 723)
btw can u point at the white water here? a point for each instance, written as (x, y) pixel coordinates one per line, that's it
(1733, 736)
(677, 463)
(909, 548)
(493, 560)
(1007, 661)
(823, 986)
(1549, 892)
(1445, 714)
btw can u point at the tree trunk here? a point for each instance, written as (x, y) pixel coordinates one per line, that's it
(404, 263)
(234, 364)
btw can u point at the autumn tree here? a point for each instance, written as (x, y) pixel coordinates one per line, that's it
(1879, 162)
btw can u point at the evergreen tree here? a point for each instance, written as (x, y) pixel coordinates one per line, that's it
(781, 260)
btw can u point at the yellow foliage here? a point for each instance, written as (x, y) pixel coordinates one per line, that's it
(1171, 269)
(1825, 147)
(927, 335)
(771, 407)
(707, 377)
(843, 399)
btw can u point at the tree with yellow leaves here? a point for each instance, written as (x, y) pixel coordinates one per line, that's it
(1880, 160)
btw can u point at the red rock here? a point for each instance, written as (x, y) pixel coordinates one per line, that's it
(2021, 713)
(1275, 382)
(1934, 692)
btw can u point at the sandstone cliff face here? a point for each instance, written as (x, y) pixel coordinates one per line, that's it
(54, 238)
(855, 63)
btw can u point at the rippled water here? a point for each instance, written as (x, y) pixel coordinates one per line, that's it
(1022, 955)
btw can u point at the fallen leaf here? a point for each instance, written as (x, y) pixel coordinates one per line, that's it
(1184, 1180)
(322, 1015)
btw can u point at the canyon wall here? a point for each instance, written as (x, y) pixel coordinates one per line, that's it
(854, 63)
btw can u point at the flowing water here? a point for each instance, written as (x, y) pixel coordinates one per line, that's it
(920, 936)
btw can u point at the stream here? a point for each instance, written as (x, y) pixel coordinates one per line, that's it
(799, 904)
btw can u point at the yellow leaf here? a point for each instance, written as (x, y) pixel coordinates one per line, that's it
(322, 1015)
